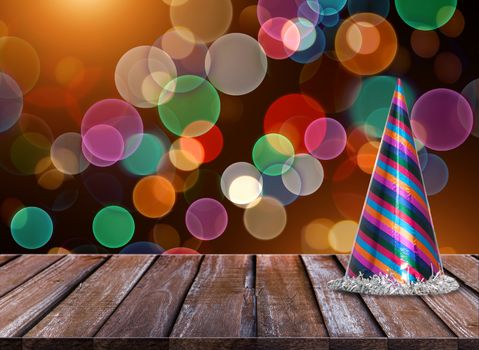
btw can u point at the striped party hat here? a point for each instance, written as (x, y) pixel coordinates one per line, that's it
(395, 250)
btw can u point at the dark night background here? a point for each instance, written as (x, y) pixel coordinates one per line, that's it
(99, 39)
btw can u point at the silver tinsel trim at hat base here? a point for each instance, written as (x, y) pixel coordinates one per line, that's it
(386, 285)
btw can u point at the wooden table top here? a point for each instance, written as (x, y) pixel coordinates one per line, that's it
(222, 302)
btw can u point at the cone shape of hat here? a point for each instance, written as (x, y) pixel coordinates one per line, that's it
(395, 250)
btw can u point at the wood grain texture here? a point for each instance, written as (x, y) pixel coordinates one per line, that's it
(345, 315)
(464, 267)
(286, 305)
(219, 301)
(460, 311)
(151, 308)
(6, 258)
(22, 268)
(24, 306)
(85, 310)
(407, 317)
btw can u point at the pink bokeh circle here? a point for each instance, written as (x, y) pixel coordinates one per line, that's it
(119, 115)
(102, 145)
(206, 219)
(325, 138)
(442, 119)
(279, 37)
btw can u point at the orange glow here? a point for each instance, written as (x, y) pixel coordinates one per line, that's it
(154, 196)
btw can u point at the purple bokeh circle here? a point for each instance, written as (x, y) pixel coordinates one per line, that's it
(11, 102)
(206, 219)
(325, 138)
(286, 9)
(442, 119)
(103, 145)
(118, 114)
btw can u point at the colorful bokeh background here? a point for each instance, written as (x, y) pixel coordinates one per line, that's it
(219, 126)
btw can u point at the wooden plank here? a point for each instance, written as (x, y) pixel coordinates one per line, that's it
(151, 308)
(286, 305)
(464, 267)
(460, 311)
(4, 258)
(23, 268)
(408, 321)
(85, 310)
(345, 315)
(24, 306)
(220, 302)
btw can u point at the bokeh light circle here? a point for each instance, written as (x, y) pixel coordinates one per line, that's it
(266, 219)
(103, 145)
(471, 93)
(142, 74)
(314, 48)
(366, 43)
(287, 10)
(325, 138)
(20, 61)
(180, 251)
(426, 14)
(195, 101)
(147, 157)
(442, 119)
(206, 219)
(274, 187)
(241, 183)
(11, 102)
(106, 115)
(435, 174)
(113, 226)
(425, 43)
(454, 27)
(206, 19)
(165, 235)
(279, 37)
(331, 7)
(31, 227)
(447, 67)
(66, 154)
(186, 153)
(142, 248)
(154, 196)
(371, 107)
(272, 154)
(341, 235)
(314, 236)
(305, 175)
(236, 64)
(290, 115)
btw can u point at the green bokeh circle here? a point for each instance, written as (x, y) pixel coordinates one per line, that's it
(371, 107)
(31, 227)
(189, 99)
(426, 14)
(113, 226)
(147, 157)
(273, 154)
